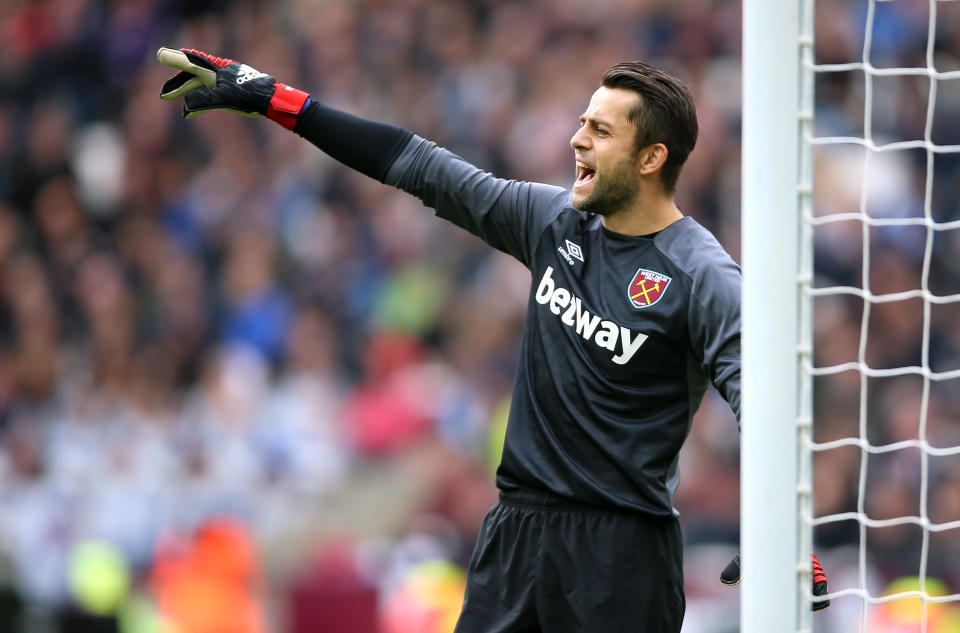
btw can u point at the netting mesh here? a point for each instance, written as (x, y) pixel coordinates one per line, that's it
(880, 200)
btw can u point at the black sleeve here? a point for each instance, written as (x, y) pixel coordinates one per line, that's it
(368, 146)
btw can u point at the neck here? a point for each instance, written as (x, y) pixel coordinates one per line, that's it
(645, 216)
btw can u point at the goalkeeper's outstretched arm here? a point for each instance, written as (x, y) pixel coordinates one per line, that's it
(207, 83)
(504, 213)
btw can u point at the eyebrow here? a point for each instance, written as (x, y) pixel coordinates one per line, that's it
(595, 122)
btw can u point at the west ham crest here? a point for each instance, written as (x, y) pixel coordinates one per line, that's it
(646, 288)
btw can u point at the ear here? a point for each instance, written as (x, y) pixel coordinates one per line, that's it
(651, 158)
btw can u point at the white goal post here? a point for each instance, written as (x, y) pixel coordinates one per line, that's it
(774, 548)
(778, 226)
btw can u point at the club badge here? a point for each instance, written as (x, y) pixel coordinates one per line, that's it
(647, 288)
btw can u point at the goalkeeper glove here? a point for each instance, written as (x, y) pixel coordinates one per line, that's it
(210, 83)
(731, 576)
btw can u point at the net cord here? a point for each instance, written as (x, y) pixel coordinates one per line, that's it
(810, 221)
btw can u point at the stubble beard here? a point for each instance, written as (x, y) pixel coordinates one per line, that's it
(614, 192)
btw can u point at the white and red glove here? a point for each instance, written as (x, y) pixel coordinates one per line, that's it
(209, 83)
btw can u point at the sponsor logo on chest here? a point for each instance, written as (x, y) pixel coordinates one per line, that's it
(601, 332)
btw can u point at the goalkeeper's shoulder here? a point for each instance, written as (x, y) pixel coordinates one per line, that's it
(713, 277)
(694, 249)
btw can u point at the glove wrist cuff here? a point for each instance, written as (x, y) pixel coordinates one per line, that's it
(286, 104)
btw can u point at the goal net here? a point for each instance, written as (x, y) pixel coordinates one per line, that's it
(867, 245)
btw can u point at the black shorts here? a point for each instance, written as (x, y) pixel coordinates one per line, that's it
(542, 565)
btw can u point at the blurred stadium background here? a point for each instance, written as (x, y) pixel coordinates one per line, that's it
(244, 390)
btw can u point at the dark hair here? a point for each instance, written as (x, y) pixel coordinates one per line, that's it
(665, 113)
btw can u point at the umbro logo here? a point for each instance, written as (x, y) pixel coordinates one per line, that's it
(571, 252)
(248, 73)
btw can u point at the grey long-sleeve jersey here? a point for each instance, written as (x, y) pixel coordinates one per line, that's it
(622, 337)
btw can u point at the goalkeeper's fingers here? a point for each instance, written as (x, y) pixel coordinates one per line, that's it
(731, 573)
(195, 72)
(819, 584)
(731, 576)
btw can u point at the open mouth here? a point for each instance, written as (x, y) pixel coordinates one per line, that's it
(584, 175)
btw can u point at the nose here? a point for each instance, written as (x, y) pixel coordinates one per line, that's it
(580, 138)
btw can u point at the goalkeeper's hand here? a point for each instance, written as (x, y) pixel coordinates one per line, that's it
(731, 576)
(209, 83)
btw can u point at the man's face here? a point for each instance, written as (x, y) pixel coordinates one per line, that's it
(603, 145)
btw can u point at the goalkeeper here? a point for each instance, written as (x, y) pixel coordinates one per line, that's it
(634, 310)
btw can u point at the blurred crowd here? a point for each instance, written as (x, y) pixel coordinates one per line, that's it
(213, 338)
